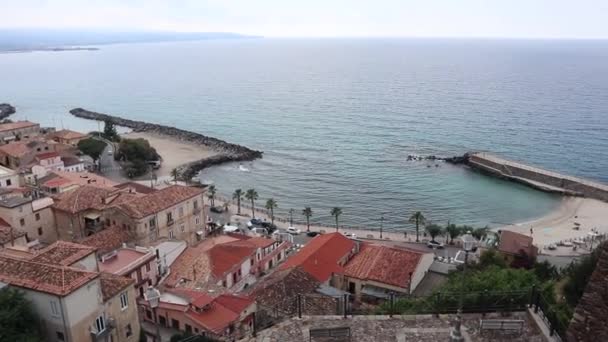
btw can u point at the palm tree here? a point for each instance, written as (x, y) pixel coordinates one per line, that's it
(291, 212)
(270, 205)
(418, 219)
(433, 230)
(336, 212)
(238, 195)
(211, 194)
(452, 231)
(308, 213)
(174, 174)
(252, 195)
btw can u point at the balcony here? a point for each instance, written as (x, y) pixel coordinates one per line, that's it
(170, 222)
(98, 336)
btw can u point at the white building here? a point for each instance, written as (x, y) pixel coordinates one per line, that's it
(8, 178)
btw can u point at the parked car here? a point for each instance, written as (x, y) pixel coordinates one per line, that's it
(260, 231)
(312, 234)
(434, 244)
(293, 231)
(217, 210)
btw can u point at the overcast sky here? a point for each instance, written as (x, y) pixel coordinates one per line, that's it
(323, 18)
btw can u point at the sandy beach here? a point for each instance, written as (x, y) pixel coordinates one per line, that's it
(173, 151)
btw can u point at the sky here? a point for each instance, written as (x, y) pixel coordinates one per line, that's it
(586, 19)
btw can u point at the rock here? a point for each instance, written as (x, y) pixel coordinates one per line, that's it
(6, 110)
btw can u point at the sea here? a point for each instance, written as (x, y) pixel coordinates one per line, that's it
(337, 118)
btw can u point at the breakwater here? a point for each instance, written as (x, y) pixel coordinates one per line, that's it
(536, 177)
(6, 110)
(228, 152)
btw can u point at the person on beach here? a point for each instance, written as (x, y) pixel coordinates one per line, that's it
(531, 231)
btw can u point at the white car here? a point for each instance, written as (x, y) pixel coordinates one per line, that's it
(260, 231)
(350, 235)
(294, 231)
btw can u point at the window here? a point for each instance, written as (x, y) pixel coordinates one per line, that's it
(169, 217)
(251, 261)
(198, 220)
(37, 216)
(54, 308)
(182, 228)
(175, 324)
(39, 231)
(22, 222)
(149, 314)
(8, 182)
(195, 204)
(152, 223)
(148, 267)
(188, 328)
(129, 330)
(20, 209)
(181, 211)
(124, 301)
(171, 235)
(100, 324)
(60, 336)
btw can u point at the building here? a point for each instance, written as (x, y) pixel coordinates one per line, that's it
(45, 163)
(18, 130)
(32, 216)
(195, 312)
(73, 164)
(20, 154)
(65, 136)
(323, 256)
(377, 271)
(8, 178)
(514, 246)
(9, 236)
(57, 182)
(137, 263)
(74, 304)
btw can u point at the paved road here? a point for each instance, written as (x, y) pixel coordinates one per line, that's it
(109, 167)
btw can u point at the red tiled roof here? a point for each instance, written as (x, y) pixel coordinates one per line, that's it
(63, 253)
(159, 200)
(85, 178)
(68, 135)
(197, 298)
(107, 240)
(215, 319)
(3, 223)
(387, 265)
(56, 182)
(321, 255)
(255, 242)
(47, 155)
(516, 243)
(226, 257)
(140, 188)
(111, 284)
(234, 303)
(89, 197)
(57, 280)
(16, 149)
(16, 125)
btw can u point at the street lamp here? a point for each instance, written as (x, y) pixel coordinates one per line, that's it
(381, 223)
(152, 296)
(468, 242)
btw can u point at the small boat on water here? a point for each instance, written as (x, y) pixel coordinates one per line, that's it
(242, 168)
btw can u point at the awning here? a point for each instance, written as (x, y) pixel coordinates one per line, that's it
(374, 292)
(92, 216)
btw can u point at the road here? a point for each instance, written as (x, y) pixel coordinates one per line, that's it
(109, 167)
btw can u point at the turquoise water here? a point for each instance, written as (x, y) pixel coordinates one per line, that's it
(337, 118)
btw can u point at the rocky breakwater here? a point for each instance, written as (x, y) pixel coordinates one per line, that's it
(227, 152)
(6, 110)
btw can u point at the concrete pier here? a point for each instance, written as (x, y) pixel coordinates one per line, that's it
(536, 177)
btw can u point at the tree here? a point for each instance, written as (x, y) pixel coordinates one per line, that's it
(140, 149)
(418, 219)
(307, 212)
(433, 230)
(238, 195)
(175, 175)
(252, 195)
(478, 233)
(211, 191)
(109, 130)
(336, 212)
(578, 274)
(18, 321)
(452, 231)
(270, 205)
(91, 147)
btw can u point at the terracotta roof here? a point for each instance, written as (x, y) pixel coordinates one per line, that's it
(387, 265)
(234, 303)
(139, 188)
(321, 255)
(159, 200)
(71, 160)
(56, 182)
(111, 284)
(7, 233)
(255, 242)
(216, 319)
(107, 240)
(47, 155)
(16, 149)
(16, 125)
(89, 197)
(514, 243)
(63, 253)
(69, 135)
(226, 257)
(197, 298)
(57, 280)
(85, 178)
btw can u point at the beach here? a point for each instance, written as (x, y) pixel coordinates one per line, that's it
(174, 152)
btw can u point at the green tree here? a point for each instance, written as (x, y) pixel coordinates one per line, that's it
(238, 195)
(336, 212)
(478, 233)
(271, 204)
(109, 131)
(307, 212)
(545, 271)
(175, 175)
(453, 232)
(211, 191)
(578, 274)
(418, 219)
(252, 195)
(490, 258)
(433, 230)
(91, 147)
(18, 321)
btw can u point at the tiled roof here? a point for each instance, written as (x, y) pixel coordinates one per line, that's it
(57, 280)
(63, 253)
(16, 125)
(226, 257)
(71, 160)
(7, 233)
(67, 134)
(111, 284)
(107, 240)
(514, 243)
(47, 155)
(255, 242)
(197, 298)
(234, 303)
(16, 149)
(139, 188)
(216, 319)
(85, 178)
(387, 265)
(89, 197)
(321, 255)
(159, 200)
